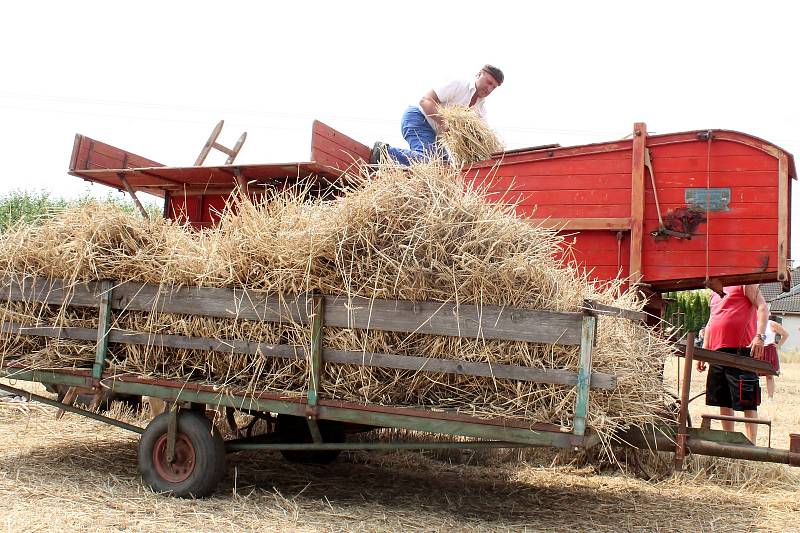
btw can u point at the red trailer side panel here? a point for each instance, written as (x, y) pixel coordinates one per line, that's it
(708, 205)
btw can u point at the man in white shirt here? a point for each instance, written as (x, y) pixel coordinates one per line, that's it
(422, 123)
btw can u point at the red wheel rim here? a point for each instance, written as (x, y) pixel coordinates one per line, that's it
(183, 463)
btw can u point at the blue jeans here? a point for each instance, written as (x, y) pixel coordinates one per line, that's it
(419, 135)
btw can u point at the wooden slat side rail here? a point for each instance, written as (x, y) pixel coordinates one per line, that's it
(728, 359)
(585, 224)
(212, 302)
(398, 362)
(470, 321)
(335, 149)
(51, 292)
(449, 366)
(597, 308)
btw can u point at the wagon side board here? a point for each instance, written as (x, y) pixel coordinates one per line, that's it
(506, 430)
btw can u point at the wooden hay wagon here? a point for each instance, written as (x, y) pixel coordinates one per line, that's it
(181, 454)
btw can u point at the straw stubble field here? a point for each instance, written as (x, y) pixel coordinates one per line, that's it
(78, 475)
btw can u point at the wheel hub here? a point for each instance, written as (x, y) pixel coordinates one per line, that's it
(183, 462)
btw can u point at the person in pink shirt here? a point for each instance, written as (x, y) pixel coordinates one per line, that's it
(737, 325)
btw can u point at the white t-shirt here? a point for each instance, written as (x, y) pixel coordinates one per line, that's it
(457, 92)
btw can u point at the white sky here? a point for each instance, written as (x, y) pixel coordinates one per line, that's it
(154, 77)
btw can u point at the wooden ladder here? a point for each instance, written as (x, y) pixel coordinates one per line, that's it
(212, 143)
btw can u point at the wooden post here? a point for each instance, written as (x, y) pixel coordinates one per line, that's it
(584, 375)
(132, 193)
(172, 432)
(103, 324)
(784, 182)
(315, 360)
(637, 199)
(682, 433)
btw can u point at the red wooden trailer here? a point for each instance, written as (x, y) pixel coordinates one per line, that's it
(675, 211)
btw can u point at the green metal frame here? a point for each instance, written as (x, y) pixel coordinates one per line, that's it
(518, 436)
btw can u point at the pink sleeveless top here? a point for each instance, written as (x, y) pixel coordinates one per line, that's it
(733, 319)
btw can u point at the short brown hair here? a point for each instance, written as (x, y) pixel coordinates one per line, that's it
(495, 72)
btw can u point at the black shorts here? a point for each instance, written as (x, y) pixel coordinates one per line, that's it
(732, 387)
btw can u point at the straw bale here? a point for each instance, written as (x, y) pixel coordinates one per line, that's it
(417, 233)
(467, 137)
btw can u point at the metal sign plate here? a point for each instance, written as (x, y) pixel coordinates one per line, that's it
(709, 199)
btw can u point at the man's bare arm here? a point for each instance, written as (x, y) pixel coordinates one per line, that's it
(762, 315)
(429, 103)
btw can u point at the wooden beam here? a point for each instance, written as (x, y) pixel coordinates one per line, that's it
(467, 368)
(783, 219)
(285, 351)
(52, 292)
(132, 194)
(584, 224)
(596, 308)
(728, 359)
(434, 318)
(637, 199)
(589, 325)
(469, 321)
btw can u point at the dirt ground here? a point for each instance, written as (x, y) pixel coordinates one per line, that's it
(75, 474)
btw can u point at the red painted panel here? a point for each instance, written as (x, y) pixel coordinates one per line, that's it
(574, 211)
(497, 182)
(738, 210)
(753, 260)
(564, 196)
(664, 273)
(718, 242)
(765, 226)
(89, 153)
(213, 205)
(185, 208)
(683, 149)
(568, 166)
(728, 178)
(335, 149)
(737, 163)
(672, 195)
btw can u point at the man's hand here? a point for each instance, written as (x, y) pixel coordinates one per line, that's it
(701, 366)
(757, 347)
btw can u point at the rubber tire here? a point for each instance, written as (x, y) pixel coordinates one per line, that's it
(209, 450)
(296, 430)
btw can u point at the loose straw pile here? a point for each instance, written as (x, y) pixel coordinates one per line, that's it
(412, 233)
(467, 138)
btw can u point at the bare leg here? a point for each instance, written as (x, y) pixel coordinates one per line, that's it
(751, 429)
(771, 386)
(727, 425)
